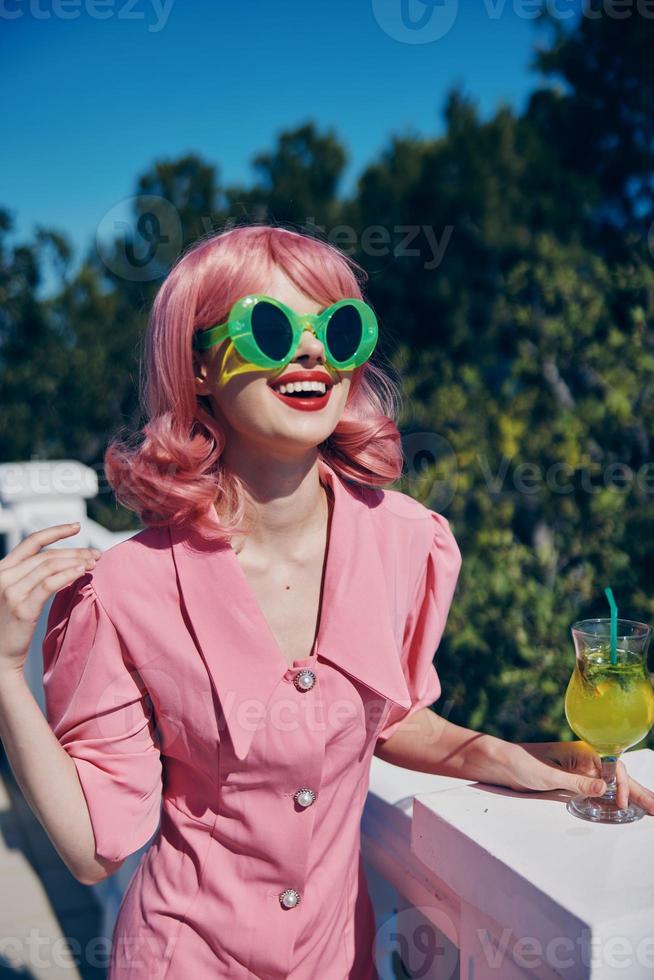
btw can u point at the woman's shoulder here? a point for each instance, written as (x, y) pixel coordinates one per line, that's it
(402, 517)
(132, 566)
(412, 539)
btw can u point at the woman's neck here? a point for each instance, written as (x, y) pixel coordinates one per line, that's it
(286, 505)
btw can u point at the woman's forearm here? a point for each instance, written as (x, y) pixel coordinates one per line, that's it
(47, 777)
(428, 743)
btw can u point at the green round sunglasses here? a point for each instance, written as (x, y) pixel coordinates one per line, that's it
(267, 333)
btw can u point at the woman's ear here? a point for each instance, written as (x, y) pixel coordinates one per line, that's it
(200, 370)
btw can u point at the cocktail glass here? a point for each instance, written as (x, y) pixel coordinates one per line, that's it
(609, 705)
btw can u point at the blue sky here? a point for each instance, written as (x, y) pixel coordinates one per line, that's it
(90, 103)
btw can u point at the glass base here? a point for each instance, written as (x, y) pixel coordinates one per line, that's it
(600, 810)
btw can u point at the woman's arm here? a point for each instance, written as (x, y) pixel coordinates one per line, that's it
(426, 742)
(48, 779)
(29, 575)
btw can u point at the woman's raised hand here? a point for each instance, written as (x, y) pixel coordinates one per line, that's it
(29, 575)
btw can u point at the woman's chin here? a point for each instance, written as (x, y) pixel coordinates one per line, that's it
(299, 438)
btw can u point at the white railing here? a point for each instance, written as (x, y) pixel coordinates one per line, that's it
(513, 881)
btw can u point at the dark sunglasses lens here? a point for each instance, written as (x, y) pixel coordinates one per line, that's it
(271, 330)
(344, 332)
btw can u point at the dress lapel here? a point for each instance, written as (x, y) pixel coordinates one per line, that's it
(355, 632)
(356, 629)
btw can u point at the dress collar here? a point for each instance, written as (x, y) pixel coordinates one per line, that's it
(355, 631)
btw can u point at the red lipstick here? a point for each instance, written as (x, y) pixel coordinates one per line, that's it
(303, 403)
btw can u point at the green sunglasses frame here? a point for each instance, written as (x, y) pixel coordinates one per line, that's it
(238, 327)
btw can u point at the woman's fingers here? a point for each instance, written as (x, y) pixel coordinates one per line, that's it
(574, 766)
(622, 793)
(26, 608)
(35, 541)
(16, 573)
(29, 575)
(641, 795)
(27, 596)
(628, 790)
(49, 559)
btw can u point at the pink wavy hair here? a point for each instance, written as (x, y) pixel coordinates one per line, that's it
(170, 472)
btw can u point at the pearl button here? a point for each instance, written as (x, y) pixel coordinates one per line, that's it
(289, 898)
(305, 680)
(304, 797)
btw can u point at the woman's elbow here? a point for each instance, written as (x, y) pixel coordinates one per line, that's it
(99, 871)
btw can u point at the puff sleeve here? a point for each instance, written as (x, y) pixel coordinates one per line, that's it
(96, 705)
(426, 622)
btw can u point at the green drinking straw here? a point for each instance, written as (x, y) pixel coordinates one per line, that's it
(614, 625)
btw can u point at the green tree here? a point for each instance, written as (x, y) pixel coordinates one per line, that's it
(297, 182)
(598, 120)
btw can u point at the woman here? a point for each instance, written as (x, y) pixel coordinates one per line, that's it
(227, 673)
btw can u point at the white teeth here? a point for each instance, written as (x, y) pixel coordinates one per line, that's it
(292, 386)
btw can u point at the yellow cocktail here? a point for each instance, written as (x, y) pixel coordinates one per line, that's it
(609, 703)
(610, 706)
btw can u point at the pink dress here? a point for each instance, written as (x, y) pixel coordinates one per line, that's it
(166, 686)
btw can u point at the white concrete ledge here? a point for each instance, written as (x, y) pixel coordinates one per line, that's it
(520, 886)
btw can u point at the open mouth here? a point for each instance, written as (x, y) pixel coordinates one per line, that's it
(312, 389)
(303, 395)
(300, 394)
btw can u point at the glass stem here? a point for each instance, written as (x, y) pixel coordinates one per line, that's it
(609, 764)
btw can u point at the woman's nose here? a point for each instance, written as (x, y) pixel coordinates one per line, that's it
(310, 346)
